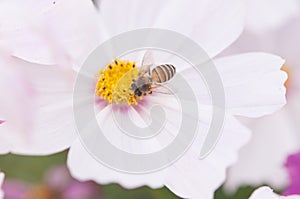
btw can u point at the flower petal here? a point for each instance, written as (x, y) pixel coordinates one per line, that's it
(263, 17)
(21, 12)
(84, 167)
(53, 126)
(215, 26)
(267, 193)
(192, 177)
(60, 37)
(253, 83)
(261, 160)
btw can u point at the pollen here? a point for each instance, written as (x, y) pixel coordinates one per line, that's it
(114, 82)
(287, 70)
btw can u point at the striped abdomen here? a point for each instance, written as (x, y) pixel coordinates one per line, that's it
(163, 73)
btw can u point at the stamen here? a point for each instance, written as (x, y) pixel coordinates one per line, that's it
(115, 80)
(287, 83)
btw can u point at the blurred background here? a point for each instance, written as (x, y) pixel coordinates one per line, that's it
(30, 175)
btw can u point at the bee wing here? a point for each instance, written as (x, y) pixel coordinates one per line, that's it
(147, 62)
(161, 89)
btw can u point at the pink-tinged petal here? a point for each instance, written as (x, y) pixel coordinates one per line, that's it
(101, 174)
(253, 83)
(192, 177)
(17, 104)
(264, 15)
(60, 37)
(293, 167)
(215, 26)
(52, 128)
(21, 13)
(267, 193)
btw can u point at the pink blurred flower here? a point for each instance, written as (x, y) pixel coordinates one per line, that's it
(293, 167)
(58, 184)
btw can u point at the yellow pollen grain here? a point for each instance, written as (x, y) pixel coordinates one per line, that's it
(114, 82)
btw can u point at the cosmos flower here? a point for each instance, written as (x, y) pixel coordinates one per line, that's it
(260, 163)
(293, 167)
(253, 86)
(267, 193)
(58, 184)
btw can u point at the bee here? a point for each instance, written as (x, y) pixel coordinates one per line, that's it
(148, 79)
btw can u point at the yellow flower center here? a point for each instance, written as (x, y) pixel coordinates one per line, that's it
(115, 80)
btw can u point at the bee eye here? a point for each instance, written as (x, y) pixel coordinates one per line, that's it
(144, 87)
(138, 92)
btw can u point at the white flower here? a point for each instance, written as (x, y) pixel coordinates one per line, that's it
(275, 137)
(267, 193)
(253, 85)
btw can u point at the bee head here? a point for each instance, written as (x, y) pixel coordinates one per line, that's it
(137, 92)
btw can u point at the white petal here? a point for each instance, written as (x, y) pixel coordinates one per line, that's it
(212, 24)
(89, 168)
(191, 177)
(17, 104)
(139, 115)
(267, 193)
(65, 32)
(263, 15)
(53, 126)
(84, 167)
(261, 160)
(253, 83)
(21, 12)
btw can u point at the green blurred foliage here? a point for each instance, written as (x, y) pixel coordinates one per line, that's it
(32, 169)
(29, 168)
